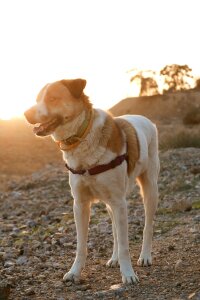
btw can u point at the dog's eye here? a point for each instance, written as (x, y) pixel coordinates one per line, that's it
(52, 99)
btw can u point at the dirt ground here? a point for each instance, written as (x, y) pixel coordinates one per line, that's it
(38, 238)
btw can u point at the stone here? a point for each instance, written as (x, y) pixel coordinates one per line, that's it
(197, 219)
(15, 195)
(8, 264)
(22, 260)
(118, 289)
(84, 287)
(31, 223)
(30, 291)
(178, 265)
(35, 244)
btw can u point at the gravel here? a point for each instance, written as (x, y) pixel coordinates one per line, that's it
(38, 238)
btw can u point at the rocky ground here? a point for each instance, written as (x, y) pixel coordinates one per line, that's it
(38, 238)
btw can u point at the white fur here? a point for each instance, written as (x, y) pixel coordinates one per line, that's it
(41, 108)
(111, 187)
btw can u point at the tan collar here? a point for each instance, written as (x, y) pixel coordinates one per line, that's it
(74, 140)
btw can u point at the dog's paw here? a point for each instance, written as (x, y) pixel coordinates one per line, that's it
(144, 261)
(112, 263)
(128, 274)
(70, 276)
(130, 279)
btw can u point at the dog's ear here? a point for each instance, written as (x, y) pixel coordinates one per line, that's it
(75, 86)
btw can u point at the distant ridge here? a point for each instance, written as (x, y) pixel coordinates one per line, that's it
(158, 107)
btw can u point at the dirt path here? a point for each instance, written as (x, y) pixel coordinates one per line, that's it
(38, 243)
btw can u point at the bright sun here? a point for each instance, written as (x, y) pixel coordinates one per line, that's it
(103, 91)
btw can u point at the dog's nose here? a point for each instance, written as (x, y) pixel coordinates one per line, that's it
(30, 115)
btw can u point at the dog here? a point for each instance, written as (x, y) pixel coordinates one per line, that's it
(104, 156)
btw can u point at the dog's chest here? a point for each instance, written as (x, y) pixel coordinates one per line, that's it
(90, 187)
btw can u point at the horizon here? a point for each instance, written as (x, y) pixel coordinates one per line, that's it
(51, 40)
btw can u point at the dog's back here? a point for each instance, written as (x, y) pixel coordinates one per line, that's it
(146, 133)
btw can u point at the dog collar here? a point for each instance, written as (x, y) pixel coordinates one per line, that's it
(74, 140)
(100, 168)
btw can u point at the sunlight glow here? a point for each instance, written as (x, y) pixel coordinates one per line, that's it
(44, 41)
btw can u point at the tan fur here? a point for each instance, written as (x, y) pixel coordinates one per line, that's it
(111, 136)
(133, 149)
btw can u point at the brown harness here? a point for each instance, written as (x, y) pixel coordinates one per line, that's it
(101, 168)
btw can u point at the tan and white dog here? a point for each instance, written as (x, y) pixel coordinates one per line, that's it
(104, 156)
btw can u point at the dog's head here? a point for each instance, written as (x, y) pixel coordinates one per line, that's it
(57, 103)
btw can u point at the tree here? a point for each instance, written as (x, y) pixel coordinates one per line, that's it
(176, 77)
(148, 85)
(197, 84)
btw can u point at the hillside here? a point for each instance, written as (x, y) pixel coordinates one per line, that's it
(160, 108)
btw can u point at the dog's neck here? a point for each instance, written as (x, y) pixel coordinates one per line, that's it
(70, 135)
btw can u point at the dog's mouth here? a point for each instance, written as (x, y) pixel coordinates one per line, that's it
(43, 129)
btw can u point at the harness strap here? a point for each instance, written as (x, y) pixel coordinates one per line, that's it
(101, 168)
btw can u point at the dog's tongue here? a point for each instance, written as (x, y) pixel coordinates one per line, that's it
(45, 128)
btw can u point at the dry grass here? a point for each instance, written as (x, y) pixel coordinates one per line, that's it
(192, 117)
(182, 139)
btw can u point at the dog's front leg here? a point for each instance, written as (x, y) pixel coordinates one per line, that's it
(119, 210)
(82, 216)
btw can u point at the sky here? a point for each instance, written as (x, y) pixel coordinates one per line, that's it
(100, 40)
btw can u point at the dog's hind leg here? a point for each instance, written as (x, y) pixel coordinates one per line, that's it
(119, 211)
(113, 261)
(149, 191)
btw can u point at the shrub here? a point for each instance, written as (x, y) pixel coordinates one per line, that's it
(192, 117)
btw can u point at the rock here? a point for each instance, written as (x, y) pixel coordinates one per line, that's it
(31, 223)
(69, 245)
(8, 264)
(118, 289)
(56, 265)
(2, 256)
(197, 219)
(194, 296)
(22, 260)
(102, 227)
(194, 230)
(54, 242)
(83, 287)
(182, 206)
(68, 283)
(63, 240)
(16, 230)
(35, 244)
(15, 195)
(178, 265)
(177, 284)
(30, 291)
(58, 284)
